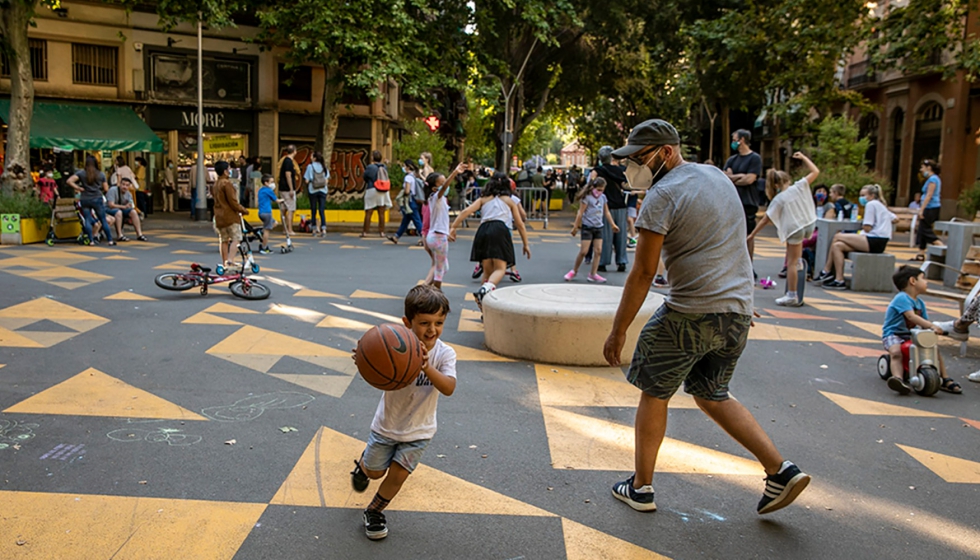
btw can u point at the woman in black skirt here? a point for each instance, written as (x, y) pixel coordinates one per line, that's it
(493, 246)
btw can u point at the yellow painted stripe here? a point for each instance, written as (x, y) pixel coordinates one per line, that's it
(129, 296)
(864, 407)
(586, 543)
(949, 468)
(364, 294)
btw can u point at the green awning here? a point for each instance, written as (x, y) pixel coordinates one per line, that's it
(85, 126)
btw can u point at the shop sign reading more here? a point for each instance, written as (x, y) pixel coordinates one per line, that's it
(214, 120)
(223, 144)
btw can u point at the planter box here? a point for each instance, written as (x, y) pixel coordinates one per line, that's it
(332, 216)
(33, 230)
(556, 204)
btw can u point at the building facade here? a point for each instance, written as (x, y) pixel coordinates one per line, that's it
(920, 117)
(254, 105)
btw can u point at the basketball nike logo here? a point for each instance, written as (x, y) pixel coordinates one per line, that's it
(402, 346)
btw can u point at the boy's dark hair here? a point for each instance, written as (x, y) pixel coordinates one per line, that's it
(376, 156)
(904, 274)
(743, 134)
(425, 299)
(266, 178)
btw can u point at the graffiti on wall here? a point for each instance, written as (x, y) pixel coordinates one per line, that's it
(346, 168)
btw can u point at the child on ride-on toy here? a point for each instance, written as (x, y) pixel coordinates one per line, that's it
(905, 311)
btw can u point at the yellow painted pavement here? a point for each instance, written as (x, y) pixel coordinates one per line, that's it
(951, 469)
(865, 407)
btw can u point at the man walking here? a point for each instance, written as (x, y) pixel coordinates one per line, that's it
(697, 336)
(288, 185)
(611, 170)
(744, 169)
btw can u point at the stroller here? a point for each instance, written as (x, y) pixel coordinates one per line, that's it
(66, 211)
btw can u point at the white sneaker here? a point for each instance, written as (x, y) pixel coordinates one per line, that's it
(974, 377)
(789, 301)
(948, 330)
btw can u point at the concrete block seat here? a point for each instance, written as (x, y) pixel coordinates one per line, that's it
(872, 272)
(564, 324)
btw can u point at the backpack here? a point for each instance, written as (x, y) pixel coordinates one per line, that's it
(319, 179)
(382, 183)
(419, 190)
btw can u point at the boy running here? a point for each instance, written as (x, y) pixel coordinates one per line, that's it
(267, 195)
(405, 420)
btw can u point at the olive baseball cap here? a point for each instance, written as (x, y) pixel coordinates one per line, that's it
(654, 132)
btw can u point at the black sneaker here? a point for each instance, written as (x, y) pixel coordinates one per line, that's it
(896, 384)
(823, 276)
(640, 500)
(621, 268)
(479, 295)
(375, 525)
(478, 271)
(782, 488)
(358, 479)
(514, 275)
(835, 285)
(588, 259)
(782, 273)
(602, 269)
(660, 282)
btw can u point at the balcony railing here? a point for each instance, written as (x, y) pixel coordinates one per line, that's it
(859, 74)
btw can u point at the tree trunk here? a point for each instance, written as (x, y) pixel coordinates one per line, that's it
(726, 133)
(329, 114)
(777, 141)
(14, 21)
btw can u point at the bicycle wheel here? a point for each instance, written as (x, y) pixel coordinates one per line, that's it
(175, 281)
(252, 290)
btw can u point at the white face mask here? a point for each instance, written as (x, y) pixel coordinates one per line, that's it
(272, 184)
(640, 177)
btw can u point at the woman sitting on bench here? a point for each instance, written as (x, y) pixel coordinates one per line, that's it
(877, 226)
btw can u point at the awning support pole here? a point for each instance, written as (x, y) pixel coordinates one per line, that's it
(201, 208)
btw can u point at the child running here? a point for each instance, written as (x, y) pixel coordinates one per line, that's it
(267, 195)
(493, 245)
(592, 210)
(405, 420)
(436, 239)
(908, 310)
(512, 272)
(792, 211)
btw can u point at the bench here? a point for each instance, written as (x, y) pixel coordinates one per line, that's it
(872, 272)
(904, 216)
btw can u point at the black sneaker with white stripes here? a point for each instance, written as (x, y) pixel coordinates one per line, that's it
(782, 488)
(640, 500)
(375, 525)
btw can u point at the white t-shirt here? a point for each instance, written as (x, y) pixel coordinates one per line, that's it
(879, 217)
(410, 184)
(409, 414)
(438, 214)
(497, 209)
(792, 210)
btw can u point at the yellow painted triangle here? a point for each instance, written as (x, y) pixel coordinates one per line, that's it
(333, 322)
(55, 525)
(768, 331)
(600, 387)
(315, 293)
(293, 312)
(119, 258)
(467, 354)
(11, 339)
(48, 339)
(470, 320)
(203, 318)
(93, 393)
(174, 264)
(320, 479)
(333, 385)
(253, 340)
(871, 328)
(47, 308)
(375, 314)
(130, 296)
(17, 322)
(259, 362)
(69, 285)
(864, 407)
(344, 365)
(949, 468)
(68, 272)
(586, 543)
(81, 325)
(229, 308)
(364, 294)
(185, 252)
(586, 443)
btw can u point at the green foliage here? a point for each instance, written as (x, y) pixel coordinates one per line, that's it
(415, 140)
(840, 156)
(26, 204)
(970, 201)
(478, 125)
(913, 37)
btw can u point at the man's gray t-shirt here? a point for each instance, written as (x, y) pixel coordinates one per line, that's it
(114, 197)
(700, 215)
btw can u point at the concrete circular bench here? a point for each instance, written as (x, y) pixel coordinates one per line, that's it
(563, 324)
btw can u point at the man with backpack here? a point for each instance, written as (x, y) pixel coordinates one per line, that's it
(376, 193)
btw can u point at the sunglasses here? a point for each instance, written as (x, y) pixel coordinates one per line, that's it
(639, 157)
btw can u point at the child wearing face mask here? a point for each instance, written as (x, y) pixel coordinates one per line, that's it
(793, 212)
(592, 210)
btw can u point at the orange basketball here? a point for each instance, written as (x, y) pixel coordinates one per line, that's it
(389, 356)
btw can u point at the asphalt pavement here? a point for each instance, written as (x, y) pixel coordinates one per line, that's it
(141, 423)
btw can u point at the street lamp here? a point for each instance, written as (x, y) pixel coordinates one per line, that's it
(201, 208)
(508, 136)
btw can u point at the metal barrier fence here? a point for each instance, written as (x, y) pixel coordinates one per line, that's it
(534, 200)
